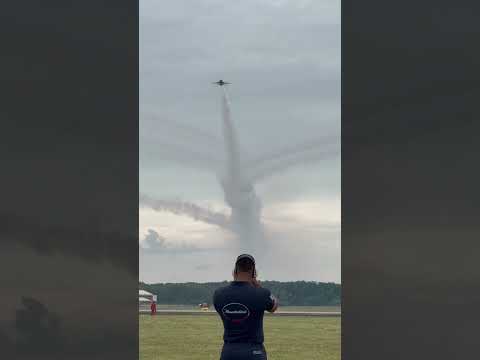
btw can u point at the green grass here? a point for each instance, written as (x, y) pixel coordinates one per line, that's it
(183, 337)
(282, 308)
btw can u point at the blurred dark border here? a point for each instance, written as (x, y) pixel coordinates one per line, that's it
(410, 179)
(69, 179)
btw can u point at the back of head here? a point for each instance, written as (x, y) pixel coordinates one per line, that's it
(245, 263)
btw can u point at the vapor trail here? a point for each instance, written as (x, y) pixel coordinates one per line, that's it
(186, 208)
(239, 190)
(197, 158)
(284, 162)
(313, 145)
(237, 178)
(231, 142)
(180, 143)
(182, 131)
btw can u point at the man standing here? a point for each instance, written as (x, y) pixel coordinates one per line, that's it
(241, 306)
(153, 308)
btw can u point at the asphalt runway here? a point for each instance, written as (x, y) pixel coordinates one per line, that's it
(280, 313)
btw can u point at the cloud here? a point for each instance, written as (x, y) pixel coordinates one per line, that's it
(325, 212)
(180, 230)
(153, 241)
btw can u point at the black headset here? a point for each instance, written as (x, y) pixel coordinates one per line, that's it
(246, 256)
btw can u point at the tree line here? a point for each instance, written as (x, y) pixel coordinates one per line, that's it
(295, 293)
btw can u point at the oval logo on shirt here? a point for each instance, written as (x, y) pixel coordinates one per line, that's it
(235, 312)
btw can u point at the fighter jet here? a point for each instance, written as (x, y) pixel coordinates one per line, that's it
(221, 83)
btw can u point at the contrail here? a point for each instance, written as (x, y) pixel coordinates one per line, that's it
(197, 158)
(186, 208)
(175, 141)
(231, 142)
(285, 162)
(175, 135)
(238, 178)
(183, 131)
(239, 190)
(317, 145)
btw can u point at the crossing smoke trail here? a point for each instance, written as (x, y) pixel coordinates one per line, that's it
(271, 167)
(237, 179)
(186, 208)
(174, 137)
(239, 194)
(203, 160)
(318, 146)
(175, 140)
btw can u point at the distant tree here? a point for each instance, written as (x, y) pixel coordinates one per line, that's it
(297, 293)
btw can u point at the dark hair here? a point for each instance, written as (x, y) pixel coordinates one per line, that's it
(245, 265)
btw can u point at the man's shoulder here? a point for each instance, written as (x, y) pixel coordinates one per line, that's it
(221, 289)
(264, 291)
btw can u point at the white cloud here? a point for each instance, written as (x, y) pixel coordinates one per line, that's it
(306, 212)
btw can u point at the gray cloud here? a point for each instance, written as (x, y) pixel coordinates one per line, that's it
(155, 244)
(153, 241)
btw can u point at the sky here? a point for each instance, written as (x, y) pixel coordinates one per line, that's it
(283, 60)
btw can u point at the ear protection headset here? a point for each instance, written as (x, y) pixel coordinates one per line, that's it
(246, 256)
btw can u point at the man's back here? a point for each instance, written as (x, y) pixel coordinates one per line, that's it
(241, 307)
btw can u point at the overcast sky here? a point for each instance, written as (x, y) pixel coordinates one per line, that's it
(283, 59)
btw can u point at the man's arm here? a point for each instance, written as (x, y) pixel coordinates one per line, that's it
(272, 301)
(275, 304)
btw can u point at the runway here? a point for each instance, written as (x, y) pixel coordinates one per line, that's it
(279, 313)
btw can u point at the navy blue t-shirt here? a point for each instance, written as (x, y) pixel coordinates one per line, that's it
(241, 307)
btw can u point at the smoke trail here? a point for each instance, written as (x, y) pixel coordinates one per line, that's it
(284, 163)
(230, 141)
(314, 145)
(185, 208)
(238, 189)
(182, 131)
(269, 164)
(237, 179)
(283, 159)
(196, 158)
(176, 140)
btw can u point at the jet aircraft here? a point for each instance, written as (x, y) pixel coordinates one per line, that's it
(221, 83)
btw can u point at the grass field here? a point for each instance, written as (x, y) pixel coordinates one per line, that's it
(183, 337)
(282, 308)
